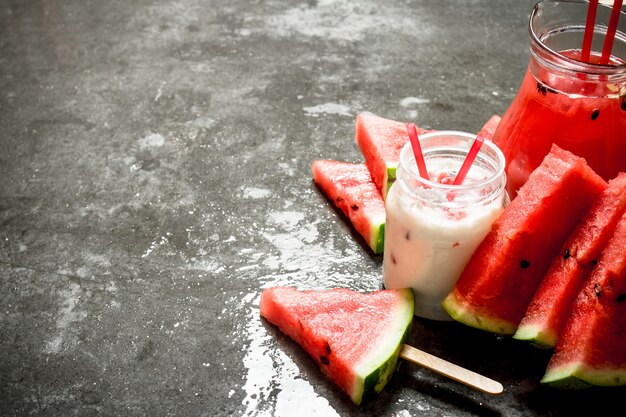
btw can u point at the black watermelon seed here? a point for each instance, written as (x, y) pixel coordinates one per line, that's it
(594, 262)
(541, 88)
(598, 289)
(594, 114)
(623, 105)
(339, 199)
(524, 264)
(328, 350)
(324, 360)
(566, 254)
(621, 298)
(355, 207)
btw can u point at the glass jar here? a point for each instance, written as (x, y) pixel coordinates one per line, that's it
(579, 106)
(433, 227)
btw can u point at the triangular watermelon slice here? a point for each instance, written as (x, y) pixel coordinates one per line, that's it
(504, 272)
(490, 126)
(351, 189)
(592, 349)
(380, 141)
(551, 305)
(355, 338)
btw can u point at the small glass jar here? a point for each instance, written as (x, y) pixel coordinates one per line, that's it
(433, 227)
(580, 106)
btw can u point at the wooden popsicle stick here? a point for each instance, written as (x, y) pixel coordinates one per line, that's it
(455, 372)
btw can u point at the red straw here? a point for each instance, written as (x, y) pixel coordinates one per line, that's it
(610, 32)
(417, 151)
(589, 24)
(469, 160)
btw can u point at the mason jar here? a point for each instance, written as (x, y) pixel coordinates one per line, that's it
(433, 227)
(578, 105)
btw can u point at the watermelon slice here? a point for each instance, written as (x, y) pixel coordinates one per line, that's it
(592, 349)
(489, 128)
(551, 305)
(504, 272)
(380, 141)
(351, 188)
(355, 338)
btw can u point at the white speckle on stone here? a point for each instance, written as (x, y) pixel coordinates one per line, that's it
(287, 219)
(328, 108)
(66, 315)
(255, 193)
(153, 140)
(159, 92)
(286, 169)
(410, 101)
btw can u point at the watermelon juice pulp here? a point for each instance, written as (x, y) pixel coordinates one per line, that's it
(580, 106)
(433, 228)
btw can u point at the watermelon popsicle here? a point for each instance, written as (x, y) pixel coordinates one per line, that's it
(357, 338)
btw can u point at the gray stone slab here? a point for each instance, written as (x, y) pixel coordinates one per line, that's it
(155, 176)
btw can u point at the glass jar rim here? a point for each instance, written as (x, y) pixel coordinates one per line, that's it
(406, 154)
(565, 61)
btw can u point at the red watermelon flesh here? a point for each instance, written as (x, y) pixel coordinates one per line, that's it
(551, 305)
(592, 349)
(351, 188)
(380, 141)
(504, 272)
(489, 128)
(355, 338)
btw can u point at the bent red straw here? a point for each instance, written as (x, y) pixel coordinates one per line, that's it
(469, 160)
(417, 151)
(610, 32)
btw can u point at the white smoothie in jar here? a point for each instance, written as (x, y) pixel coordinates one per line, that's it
(433, 227)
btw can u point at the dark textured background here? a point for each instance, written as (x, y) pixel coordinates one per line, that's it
(155, 175)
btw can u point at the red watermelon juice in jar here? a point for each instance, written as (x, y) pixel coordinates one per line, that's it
(579, 105)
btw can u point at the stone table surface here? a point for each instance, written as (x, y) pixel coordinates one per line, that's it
(155, 176)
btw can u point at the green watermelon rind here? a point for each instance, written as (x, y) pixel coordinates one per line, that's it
(390, 177)
(373, 373)
(463, 312)
(377, 237)
(577, 375)
(537, 334)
